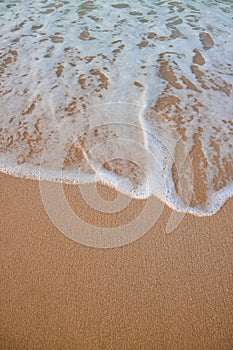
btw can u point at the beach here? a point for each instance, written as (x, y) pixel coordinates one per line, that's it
(116, 175)
(162, 291)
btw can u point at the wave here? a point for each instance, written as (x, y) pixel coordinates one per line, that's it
(136, 94)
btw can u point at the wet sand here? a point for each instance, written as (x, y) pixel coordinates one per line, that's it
(163, 291)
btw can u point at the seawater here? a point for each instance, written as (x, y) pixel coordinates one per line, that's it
(137, 94)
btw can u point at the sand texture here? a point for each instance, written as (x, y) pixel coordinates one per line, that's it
(162, 292)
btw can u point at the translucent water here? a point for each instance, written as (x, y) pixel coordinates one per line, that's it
(137, 94)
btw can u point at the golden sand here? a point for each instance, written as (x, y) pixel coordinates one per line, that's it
(163, 291)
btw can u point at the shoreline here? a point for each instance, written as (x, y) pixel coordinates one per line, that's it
(169, 291)
(53, 176)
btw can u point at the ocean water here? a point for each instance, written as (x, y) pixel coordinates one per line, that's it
(136, 94)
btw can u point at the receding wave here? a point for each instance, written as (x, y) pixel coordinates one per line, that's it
(137, 94)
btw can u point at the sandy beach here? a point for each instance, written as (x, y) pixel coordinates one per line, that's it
(139, 95)
(163, 291)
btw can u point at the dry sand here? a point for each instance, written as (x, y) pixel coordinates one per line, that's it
(163, 291)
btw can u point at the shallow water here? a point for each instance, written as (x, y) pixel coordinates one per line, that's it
(137, 94)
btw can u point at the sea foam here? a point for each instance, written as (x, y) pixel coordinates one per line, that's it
(136, 94)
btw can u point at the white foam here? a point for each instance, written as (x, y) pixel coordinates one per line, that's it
(68, 70)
